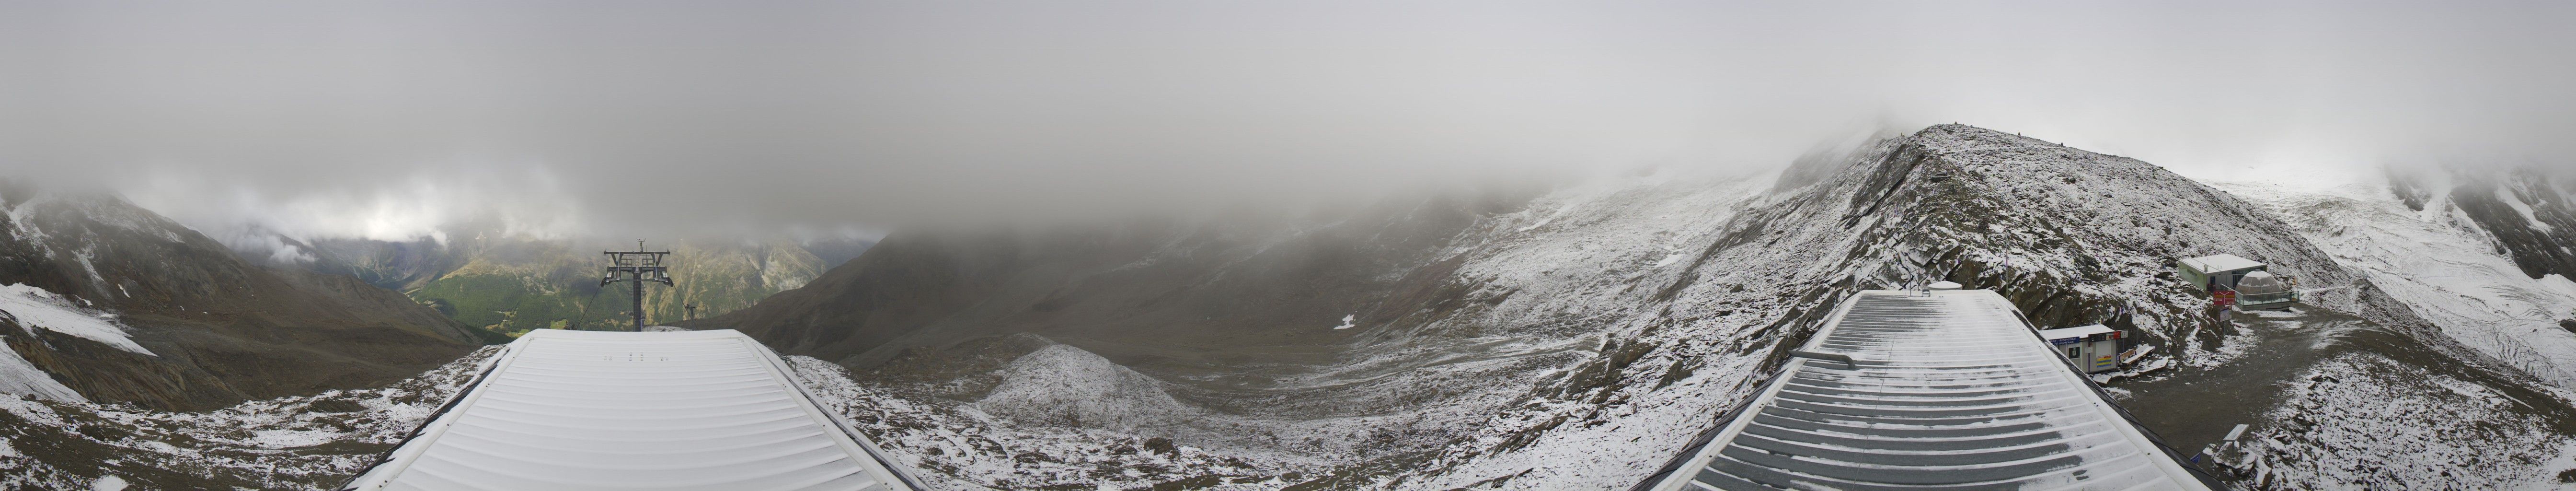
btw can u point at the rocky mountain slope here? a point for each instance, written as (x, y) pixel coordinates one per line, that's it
(303, 442)
(1580, 337)
(2474, 251)
(2073, 237)
(486, 277)
(118, 304)
(2470, 251)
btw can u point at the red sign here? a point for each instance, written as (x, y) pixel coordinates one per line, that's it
(2223, 297)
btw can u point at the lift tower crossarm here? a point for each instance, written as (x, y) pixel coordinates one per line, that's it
(639, 267)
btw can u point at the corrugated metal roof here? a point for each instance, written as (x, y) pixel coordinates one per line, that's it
(2221, 262)
(582, 410)
(1946, 390)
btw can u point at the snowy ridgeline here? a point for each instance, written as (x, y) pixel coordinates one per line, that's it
(1612, 321)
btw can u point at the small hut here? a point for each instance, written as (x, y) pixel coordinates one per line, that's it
(2096, 348)
(2214, 273)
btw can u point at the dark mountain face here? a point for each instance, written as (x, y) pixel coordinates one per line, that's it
(2525, 211)
(219, 329)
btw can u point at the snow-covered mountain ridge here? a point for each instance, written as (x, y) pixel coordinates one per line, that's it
(1580, 338)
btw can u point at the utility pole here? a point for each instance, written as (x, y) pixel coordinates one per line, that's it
(640, 267)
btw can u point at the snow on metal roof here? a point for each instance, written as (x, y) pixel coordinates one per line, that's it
(2221, 262)
(587, 410)
(2074, 332)
(1945, 390)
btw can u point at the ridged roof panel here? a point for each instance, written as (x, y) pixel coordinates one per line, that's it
(575, 410)
(1946, 390)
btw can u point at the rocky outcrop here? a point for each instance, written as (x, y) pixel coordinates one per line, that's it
(2075, 237)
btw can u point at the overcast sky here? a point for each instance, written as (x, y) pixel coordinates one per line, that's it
(384, 119)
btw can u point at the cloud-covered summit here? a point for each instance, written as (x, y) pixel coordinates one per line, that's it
(670, 118)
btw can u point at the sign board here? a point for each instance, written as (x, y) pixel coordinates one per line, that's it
(2223, 297)
(2065, 341)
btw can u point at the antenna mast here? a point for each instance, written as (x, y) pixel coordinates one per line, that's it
(640, 267)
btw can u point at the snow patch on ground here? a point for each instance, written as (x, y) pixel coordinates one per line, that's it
(2505, 194)
(36, 308)
(17, 376)
(2233, 347)
(956, 446)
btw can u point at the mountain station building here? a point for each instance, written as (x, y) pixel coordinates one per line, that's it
(2214, 273)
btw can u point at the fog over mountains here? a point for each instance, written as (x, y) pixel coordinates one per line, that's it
(1169, 245)
(691, 121)
(1568, 338)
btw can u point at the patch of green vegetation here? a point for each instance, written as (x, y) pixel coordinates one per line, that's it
(508, 304)
(557, 288)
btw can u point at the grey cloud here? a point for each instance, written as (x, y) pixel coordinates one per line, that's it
(353, 118)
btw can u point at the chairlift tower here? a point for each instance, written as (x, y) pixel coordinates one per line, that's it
(639, 267)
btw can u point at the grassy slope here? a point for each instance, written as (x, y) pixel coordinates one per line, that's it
(558, 287)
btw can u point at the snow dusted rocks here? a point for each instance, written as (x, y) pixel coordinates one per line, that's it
(1064, 385)
(2368, 422)
(962, 448)
(312, 442)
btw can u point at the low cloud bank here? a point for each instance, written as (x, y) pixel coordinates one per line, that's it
(667, 119)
